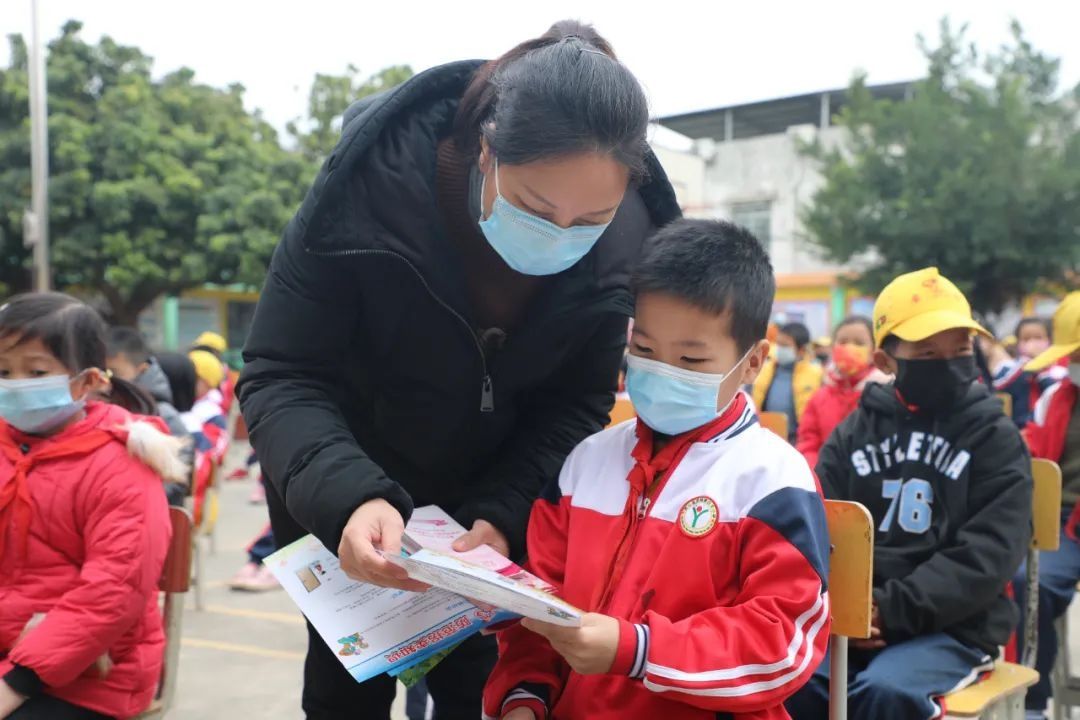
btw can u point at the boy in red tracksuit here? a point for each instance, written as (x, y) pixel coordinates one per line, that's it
(1054, 434)
(696, 538)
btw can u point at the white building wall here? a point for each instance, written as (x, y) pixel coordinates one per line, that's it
(768, 168)
(686, 171)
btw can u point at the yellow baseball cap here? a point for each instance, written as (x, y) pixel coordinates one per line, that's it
(920, 304)
(207, 367)
(1066, 333)
(211, 340)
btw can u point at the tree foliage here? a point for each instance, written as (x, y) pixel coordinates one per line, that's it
(977, 172)
(156, 185)
(330, 96)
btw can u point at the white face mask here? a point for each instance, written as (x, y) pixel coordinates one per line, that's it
(786, 355)
(1074, 373)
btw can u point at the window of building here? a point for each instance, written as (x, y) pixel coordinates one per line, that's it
(755, 217)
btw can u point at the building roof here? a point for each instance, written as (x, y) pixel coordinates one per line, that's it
(769, 117)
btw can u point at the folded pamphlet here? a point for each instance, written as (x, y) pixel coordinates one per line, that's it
(375, 630)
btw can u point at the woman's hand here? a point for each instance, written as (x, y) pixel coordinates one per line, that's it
(483, 533)
(375, 524)
(589, 649)
(10, 701)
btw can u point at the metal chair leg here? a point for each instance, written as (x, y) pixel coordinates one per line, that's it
(1031, 612)
(1015, 707)
(197, 581)
(838, 677)
(1059, 675)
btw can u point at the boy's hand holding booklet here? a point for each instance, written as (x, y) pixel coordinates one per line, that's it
(375, 630)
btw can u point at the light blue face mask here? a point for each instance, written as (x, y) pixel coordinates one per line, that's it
(38, 405)
(533, 245)
(671, 400)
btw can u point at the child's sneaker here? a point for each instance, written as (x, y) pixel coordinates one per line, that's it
(258, 495)
(254, 578)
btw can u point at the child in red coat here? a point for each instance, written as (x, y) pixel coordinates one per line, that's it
(851, 369)
(84, 525)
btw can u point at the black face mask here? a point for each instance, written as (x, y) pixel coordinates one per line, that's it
(935, 384)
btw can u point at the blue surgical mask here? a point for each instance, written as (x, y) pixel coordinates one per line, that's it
(532, 245)
(38, 405)
(672, 400)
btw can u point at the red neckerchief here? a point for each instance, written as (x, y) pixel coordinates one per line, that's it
(647, 470)
(647, 466)
(16, 503)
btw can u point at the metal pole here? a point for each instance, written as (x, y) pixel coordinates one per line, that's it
(838, 680)
(39, 156)
(826, 111)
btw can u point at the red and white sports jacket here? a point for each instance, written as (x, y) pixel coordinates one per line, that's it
(714, 557)
(1046, 433)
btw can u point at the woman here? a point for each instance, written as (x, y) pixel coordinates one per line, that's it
(848, 373)
(445, 317)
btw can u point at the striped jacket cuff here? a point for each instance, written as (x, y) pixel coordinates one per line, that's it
(632, 651)
(533, 697)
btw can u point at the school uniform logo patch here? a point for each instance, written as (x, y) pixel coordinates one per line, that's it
(698, 517)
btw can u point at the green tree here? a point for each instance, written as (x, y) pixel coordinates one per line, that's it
(330, 96)
(978, 172)
(155, 186)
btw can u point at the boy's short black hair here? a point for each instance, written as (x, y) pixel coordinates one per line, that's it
(130, 342)
(716, 266)
(797, 332)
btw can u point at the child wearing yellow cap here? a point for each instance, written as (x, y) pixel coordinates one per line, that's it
(1054, 434)
(947, 480)
(209, 371)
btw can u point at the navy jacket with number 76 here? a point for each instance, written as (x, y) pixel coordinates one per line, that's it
(951, 498)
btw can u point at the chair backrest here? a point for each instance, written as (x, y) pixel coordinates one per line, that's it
(175, 580)
(621, 412)
(775, 421)
(851, 567)
(1045, 504)
(176, 575)
(1006, 402)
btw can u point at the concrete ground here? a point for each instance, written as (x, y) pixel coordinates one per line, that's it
(243, 655)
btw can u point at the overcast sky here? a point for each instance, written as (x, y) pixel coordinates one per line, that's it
(688, 55)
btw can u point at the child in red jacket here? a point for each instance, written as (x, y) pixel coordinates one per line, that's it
(696, 538)
(84, 525)
(848, 373)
